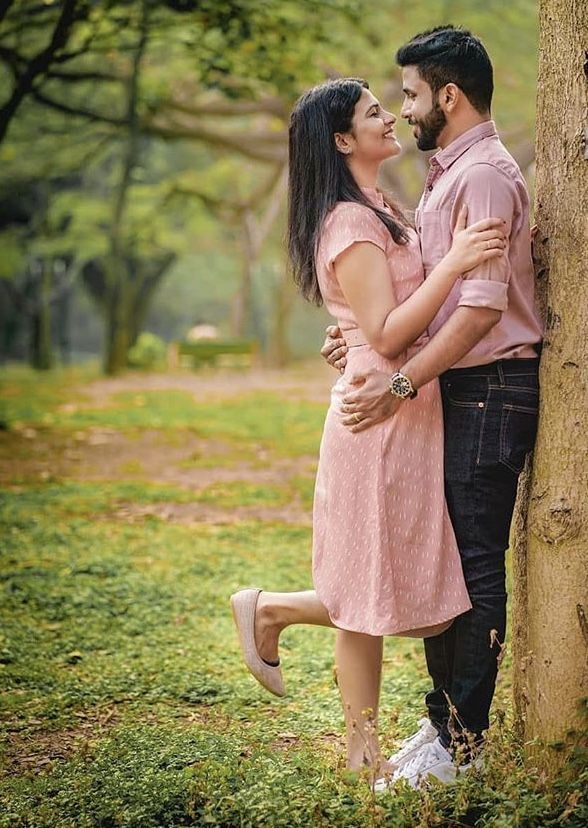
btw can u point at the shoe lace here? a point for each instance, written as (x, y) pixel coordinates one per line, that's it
(421, 737)
(421, 761)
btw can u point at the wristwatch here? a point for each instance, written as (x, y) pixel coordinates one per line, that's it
(401, 386)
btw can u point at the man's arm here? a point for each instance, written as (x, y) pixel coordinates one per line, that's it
(488, 192)
(463, 330)
(373, 402)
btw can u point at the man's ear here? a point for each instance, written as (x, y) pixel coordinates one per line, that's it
(449, 96)
(343, 143)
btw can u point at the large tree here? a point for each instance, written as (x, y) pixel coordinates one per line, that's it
(551, 619)
(119, 75)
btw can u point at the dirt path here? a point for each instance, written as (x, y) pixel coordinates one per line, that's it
(309, 380)
(40, 455)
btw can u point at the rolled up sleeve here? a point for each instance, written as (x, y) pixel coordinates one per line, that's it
(488, 192)
(484, 293)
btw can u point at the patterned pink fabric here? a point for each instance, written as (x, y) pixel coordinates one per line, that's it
(385, 558)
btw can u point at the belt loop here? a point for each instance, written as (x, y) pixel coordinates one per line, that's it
(500, 370)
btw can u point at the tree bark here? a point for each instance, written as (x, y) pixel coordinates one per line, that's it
(279, 352)
(149, 275)
(39, 64)
(41, 346)
(118, 277)
(551, 626)
(4, 8)
(260, 146)
(241, 304)
(254, 234)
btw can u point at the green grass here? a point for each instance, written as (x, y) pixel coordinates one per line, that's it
(27, 396)
(259, 421)
(229, 495)
(123, 698)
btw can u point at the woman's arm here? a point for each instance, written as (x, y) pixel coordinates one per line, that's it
(362, 271)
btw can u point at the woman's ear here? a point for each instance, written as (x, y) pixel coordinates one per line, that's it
(343, 143)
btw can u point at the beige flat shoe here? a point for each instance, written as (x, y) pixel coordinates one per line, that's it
(243, 605)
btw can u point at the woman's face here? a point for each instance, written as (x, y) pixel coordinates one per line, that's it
(372, 137)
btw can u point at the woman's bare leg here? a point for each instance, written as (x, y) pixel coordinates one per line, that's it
(359, 672)
(359, 665)
(278, 610)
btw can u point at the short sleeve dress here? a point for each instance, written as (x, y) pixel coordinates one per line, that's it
(385, 559)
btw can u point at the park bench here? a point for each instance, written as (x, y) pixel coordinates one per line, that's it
(212, 351)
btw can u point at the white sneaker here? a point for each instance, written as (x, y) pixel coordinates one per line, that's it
(426, 734)
(431, 760)
(409, 748)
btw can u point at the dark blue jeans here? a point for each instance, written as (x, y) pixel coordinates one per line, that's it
(490, 416)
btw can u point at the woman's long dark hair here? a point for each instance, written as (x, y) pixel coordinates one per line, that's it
(319, 176)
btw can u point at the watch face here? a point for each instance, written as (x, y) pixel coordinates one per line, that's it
(400, 385)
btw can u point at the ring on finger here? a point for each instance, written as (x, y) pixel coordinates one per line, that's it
(357, 417)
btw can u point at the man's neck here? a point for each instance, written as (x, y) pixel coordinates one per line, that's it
(455, 130)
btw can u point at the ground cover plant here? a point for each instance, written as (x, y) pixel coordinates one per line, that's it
(130, 509)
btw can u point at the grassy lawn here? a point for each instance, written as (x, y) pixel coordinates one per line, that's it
(129, 513)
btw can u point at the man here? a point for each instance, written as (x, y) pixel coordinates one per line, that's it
(484, 348)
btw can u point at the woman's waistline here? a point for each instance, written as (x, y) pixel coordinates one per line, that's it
(354, 337)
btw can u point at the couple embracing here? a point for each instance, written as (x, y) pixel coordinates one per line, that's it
(437, 342)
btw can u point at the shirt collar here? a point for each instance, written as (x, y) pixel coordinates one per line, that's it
(445, 157)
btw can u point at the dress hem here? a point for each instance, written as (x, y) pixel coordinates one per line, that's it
(341, 625)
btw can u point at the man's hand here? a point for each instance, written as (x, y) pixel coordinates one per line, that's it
(371, 403)
(335, 348)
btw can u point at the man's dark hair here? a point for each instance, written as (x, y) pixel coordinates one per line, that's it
(449, 55)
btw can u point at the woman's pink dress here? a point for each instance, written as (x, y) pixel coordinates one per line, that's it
(385, 558)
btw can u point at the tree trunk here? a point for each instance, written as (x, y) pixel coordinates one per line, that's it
(254, 234)
(552, 666)
(279, 353)
(39, 64)
(117, 348)
(241, 305)
(520, 598)
(148, 276)
(4, 8)
(45, 355)
(117, 336)
(41, 350)
(118, 275)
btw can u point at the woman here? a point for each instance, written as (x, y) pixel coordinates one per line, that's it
(385, 561)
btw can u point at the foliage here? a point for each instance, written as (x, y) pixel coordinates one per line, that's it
(148, 352)
(242, 46)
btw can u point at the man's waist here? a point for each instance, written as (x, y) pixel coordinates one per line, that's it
(510, 367)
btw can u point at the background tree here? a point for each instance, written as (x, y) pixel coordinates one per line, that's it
(27, 69)
(215, 86)
(551, 625)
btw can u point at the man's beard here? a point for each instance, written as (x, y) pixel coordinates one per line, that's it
(430, 128)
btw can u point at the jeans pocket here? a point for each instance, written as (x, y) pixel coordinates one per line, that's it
(467, 394)
(518, 428)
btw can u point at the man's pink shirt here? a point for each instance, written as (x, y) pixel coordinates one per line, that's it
(477, 170)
